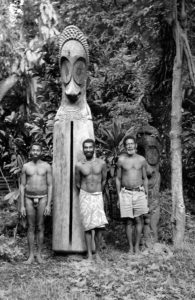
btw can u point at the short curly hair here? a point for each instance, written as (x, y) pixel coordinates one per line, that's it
(89, 141)
(129, 137)
(36, 144)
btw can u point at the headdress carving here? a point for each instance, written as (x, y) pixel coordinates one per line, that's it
(72, 32)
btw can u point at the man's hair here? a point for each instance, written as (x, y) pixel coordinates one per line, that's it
(129, 137)
(89, 141)
(36, 144)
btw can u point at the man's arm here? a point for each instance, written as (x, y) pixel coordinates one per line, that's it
(118, 179)
(49, 190)
(77, 177)
(104, 175)
(22, 191)
(145, 178)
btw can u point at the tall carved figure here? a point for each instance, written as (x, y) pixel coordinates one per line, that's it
(73, 124)
(150, 147)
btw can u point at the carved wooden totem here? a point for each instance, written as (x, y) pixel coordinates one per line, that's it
(73, 124)
(149, 146)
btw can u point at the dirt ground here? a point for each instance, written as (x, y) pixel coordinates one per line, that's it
(157, 273)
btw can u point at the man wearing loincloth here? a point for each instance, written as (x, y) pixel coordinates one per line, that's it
(90, 176)
(36, 193)
(132, 190)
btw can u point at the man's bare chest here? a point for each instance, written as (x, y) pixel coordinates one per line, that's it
(132, 164)
(35, 171)
(91, 169)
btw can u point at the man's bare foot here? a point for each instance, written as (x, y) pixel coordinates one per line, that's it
(30, 260)
(130, 252)
(137, 251)
(98, 258)
(40, 260)
(89, 257)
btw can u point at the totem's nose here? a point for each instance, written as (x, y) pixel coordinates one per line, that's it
(72, 91)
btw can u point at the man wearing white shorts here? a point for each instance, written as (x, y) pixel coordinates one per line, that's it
(132, 190)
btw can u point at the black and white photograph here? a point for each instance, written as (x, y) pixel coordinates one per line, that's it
(97, 150)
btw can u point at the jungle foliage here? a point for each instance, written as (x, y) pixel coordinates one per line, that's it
(132, 52)
(130, 75)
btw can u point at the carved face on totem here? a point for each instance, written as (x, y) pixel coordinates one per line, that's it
(73, 64)
(74, 60)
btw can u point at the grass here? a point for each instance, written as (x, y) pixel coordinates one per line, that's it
(155, 274)
(159, 273)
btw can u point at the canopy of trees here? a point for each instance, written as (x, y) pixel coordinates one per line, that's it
(132, 51)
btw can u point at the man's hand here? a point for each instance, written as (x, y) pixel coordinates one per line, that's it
(47, 211)
(23, 211)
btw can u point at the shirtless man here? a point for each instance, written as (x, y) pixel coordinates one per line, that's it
(36, 193)
(132, 190)
(90, 176)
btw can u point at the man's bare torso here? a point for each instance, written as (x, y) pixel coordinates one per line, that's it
(131, 170)
(91, 175)
(36, 177)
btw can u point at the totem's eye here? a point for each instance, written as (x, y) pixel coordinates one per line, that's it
(65, 70)
(80, 71)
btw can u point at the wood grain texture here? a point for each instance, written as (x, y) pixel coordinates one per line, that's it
(83, 129)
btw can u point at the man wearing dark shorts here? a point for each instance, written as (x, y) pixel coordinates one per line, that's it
(132, 190)
(36, 193)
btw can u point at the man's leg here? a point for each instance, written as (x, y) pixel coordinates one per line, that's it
(40, 227)
(139, 226)
(129, 233)
(98, 241)
(88, 237)
(31, 218)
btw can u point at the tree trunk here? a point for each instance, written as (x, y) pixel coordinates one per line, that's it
(178, 207)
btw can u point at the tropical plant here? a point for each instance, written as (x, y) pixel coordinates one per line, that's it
(111, 137)
(41, 130)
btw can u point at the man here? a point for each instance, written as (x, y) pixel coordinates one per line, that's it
(132, 190)
(36, 193)
(90, 176)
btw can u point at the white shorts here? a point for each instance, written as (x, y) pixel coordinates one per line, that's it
(133, 203)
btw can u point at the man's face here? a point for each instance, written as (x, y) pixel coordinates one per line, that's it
(36, 152)
(130, 146)
(88, 150)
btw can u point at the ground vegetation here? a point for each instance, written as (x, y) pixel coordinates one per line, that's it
(132, 51)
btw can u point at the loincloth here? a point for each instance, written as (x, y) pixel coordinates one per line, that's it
(133, 203)
(92, 210)
(35, 198)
